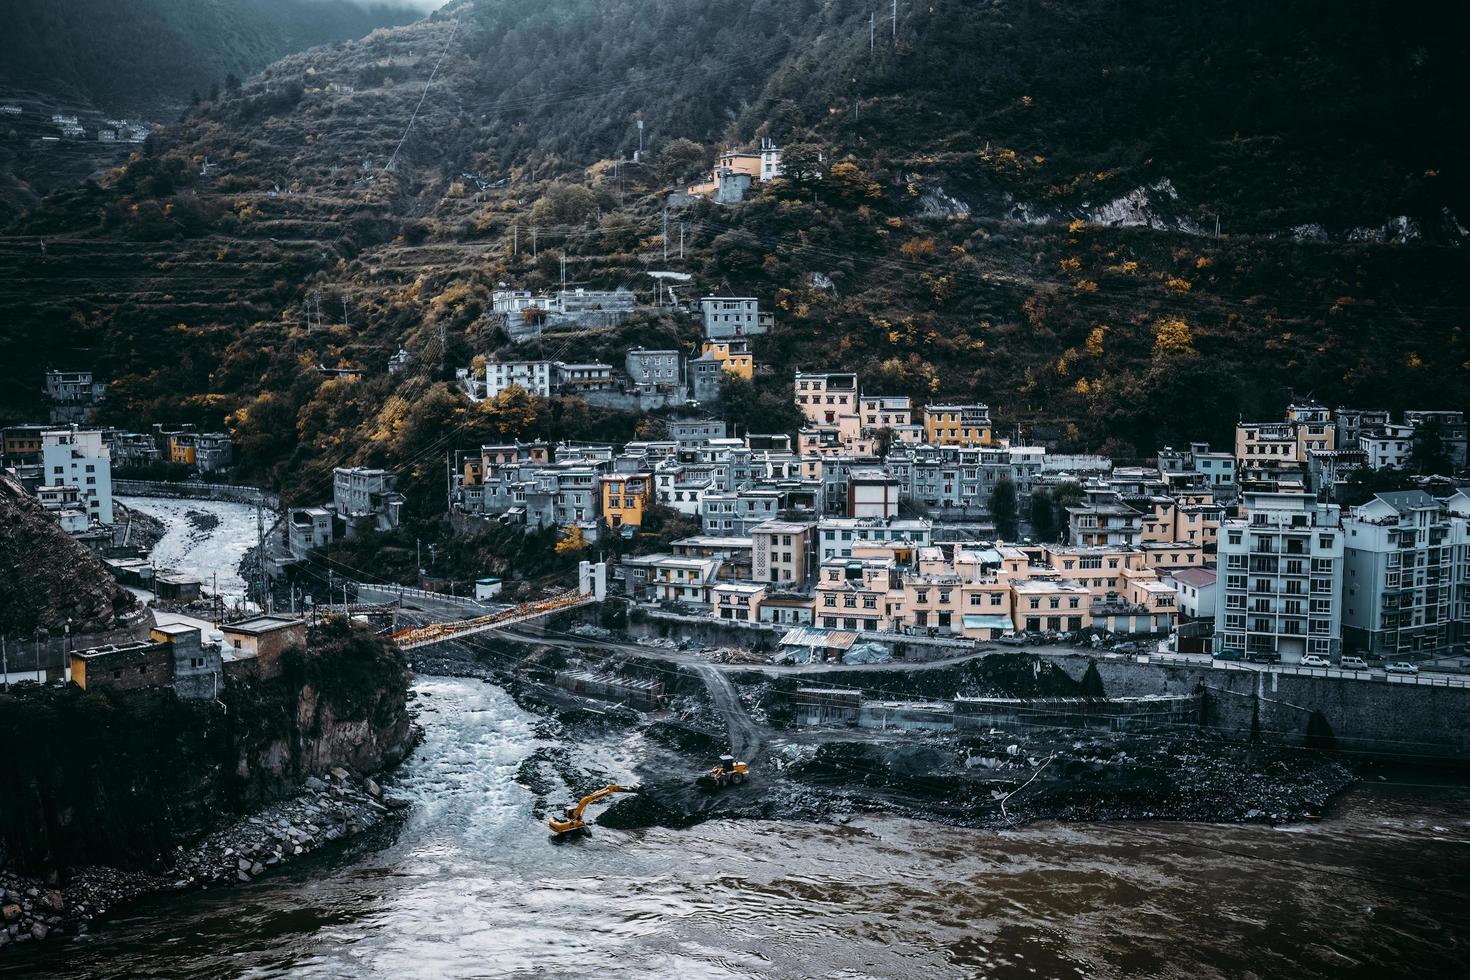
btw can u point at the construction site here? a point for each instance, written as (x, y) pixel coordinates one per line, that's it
(997, 738)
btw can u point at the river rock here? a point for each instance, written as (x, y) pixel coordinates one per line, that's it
(10, 912)
(314, 784)
(374, 789)
(39, 931)
(341, 774)
(53, 900)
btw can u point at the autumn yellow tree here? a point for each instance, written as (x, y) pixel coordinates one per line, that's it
(1173, 336)
(514, 411)
(574, 542)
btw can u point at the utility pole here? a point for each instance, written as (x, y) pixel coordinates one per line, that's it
(260, 546)
(344, 310)
(515, 239)
(564, 269)
(895, 21)
(872, 22)
(681, 239)
(533, 241)
(4, 664)
(666, 234)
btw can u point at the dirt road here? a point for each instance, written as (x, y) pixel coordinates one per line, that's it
(745, 734)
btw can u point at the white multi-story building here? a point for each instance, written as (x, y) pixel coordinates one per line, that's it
(1398, 577)
(1388, 446)
(1280, 592)
(535, 377)
(79, 458)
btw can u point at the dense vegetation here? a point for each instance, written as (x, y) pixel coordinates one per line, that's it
(1017, 203)
(143, 56)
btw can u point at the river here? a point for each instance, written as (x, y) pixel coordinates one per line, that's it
(470, 885)
(203, 538)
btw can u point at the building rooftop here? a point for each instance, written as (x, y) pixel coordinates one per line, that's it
(261, 624)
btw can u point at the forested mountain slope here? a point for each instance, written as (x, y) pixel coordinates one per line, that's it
(1021, 207)
(147, 56)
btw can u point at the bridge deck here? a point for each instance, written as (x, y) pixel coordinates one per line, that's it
(422, 636)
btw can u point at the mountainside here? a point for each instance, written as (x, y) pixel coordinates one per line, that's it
(147, 56)
(1020, 206)
(48, 580)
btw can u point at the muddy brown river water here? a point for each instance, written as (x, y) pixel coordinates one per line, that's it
(470, 886)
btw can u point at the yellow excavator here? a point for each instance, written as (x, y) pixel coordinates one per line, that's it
(574, 823)
(727, 773)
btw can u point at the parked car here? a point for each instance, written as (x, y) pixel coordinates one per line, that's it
(1263, 657)
(1315, 660)
(1401, 667)
(1353, 663)
(1227, 654)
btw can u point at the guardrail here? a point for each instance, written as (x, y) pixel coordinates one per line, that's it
(186, 490)
(1333, 673)
(409, 591)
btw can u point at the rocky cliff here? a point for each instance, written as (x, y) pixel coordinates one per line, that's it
(47, 579)
(122, 779)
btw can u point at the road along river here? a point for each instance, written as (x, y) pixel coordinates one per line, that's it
(470, 885)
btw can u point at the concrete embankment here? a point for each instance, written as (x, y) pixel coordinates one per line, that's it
(1360, 714)
(231, 493)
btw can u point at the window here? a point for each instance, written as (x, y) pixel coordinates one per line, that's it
(1035, 603)
(1055, 602)
(829, 601)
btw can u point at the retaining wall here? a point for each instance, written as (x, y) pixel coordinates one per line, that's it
(1355, 714)
(227, 492)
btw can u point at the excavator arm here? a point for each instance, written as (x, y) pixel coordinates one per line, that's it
(574, 821)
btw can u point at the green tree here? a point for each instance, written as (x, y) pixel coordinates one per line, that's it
(1003, 508)
(1428, 455)
(759, 405)
(679, 160)
(801, 163)
(1043, 516)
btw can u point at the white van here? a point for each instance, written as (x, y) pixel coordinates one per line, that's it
(1353, 663)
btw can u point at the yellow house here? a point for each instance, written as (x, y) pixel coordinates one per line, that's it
(181, 448)
(957, 425)
(624, 496)
(734, 356)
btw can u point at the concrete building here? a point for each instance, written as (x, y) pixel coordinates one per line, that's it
(872, 494)
(79, 458)
(781, 552)
(1283, 569)
(694, 432)
(536, 377)
(706, 375)
(307, 528)
(830, 401)
(264, 639)
(731, 316)
(361, 495)
(957, 425)
(733, 355)
(1387, 447)
(173, 656)
(1195, 591)
(75, 387)
(1398, 582)
(654, 367)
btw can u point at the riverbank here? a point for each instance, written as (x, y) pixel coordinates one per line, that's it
(997, 778)
(332, 807)
(468, 882)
